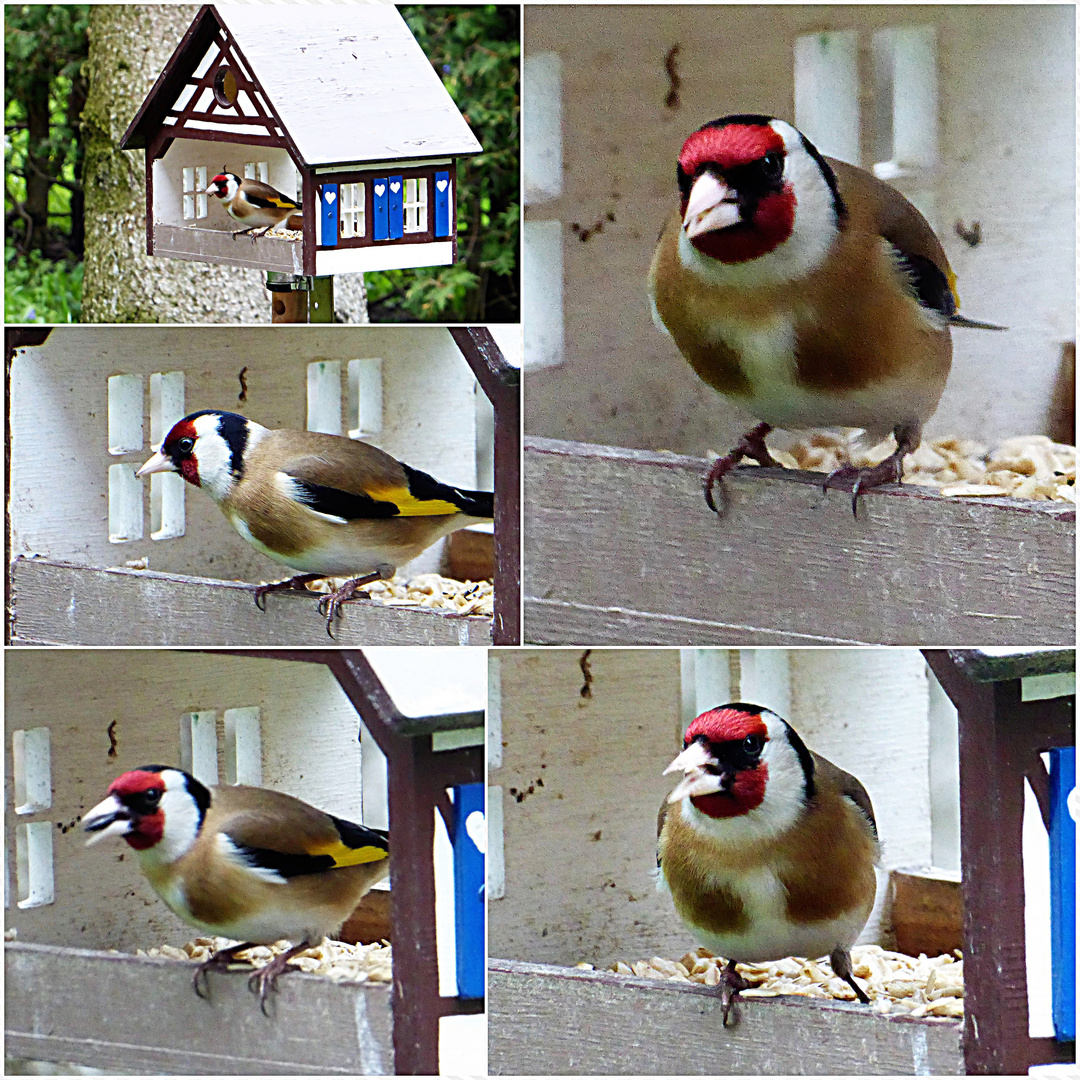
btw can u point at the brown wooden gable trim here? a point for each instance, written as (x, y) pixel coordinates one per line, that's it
(206, 30)
(228, 53)
(167, 88)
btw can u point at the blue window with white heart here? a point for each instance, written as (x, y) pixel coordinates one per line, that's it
(412, 206)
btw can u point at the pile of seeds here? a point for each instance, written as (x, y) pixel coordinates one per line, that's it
(279, 232)
(894, 982)
(426, 591)
(1025, 467)
(334, 960)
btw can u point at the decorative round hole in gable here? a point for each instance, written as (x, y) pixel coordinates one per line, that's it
(225, 86)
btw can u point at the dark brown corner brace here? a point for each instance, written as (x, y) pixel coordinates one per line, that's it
(1001, 738)
(502, 384)
(418, 779)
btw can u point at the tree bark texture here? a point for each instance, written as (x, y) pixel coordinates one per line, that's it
(129, 47)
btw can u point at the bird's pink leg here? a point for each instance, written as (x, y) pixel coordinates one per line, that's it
(889, 471)
(751, 445)
(731, 982)
(218, 962)
(264, 979)
(294, 583)
(330, 605)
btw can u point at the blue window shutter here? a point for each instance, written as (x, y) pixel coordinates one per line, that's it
(381, 197)
(1063, 892)
(329, 215)
(469, 890)
(397, 211)
(442, 204)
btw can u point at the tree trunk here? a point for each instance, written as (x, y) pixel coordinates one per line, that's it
(129, 47)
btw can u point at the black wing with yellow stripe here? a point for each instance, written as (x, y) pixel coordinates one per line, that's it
(354, 845)
(423, 496)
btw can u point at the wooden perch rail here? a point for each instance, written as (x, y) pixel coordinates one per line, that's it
(621, 549)
(61, 604)
(61, 1005)
(546, 1019)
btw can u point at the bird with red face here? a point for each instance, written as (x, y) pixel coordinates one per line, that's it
(242, 862)
(806, 291)
(321, 504)
(251, 203)
(766, 848)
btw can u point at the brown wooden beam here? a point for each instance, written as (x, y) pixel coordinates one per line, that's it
(501, 382)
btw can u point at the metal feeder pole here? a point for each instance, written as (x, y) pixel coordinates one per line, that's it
(290, 302)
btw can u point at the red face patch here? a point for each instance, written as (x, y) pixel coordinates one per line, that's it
(147, 829)
(772, 225)
(746, 792)
(132, 783)
(729, 146)
(726, 725)
(183, 459)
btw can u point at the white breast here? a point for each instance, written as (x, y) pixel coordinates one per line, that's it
(769, 934)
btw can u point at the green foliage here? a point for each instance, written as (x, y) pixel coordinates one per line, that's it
(45, 48)
(38, 290)
(476, 51)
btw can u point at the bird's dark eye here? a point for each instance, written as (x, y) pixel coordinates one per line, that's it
(185, 445)
(772, 164)
(752, 744)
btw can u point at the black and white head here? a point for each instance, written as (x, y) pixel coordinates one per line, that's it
(207, 449)
(225, 186)
(158, 810)
(759, 204)
(747, 774)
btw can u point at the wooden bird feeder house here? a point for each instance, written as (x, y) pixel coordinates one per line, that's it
(335, 107)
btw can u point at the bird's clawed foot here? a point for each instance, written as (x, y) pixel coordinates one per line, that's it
(220, 961)
(751, 445)
(330, 605)
(889, 471)
(292, 584)
(264, 980)
(731, 983)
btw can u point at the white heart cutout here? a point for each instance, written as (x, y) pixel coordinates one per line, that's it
(476, 827)
(395, 188)
(380, 189)
(330, 196)
(441, 184)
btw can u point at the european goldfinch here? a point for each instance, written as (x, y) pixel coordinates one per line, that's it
(767, 849)
(242, 862)
(251, 203)
(806, 290)
(321, 504)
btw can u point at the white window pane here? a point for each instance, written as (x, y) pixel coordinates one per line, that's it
(189, 178)
(249, 170)
(200, 177)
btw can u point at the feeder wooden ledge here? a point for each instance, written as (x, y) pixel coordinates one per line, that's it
(112, 1011)
(569, 1021)
(57, 603)
(621, 549)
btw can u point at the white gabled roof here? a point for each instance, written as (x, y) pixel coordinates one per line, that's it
(349, 81)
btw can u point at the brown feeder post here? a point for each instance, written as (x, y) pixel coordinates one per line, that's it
(1001, 737)
(502, 384)
(418, 780)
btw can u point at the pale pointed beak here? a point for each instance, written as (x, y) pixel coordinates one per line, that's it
(109, 818)
(712, 205)
(158, 463)
(693, 761)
